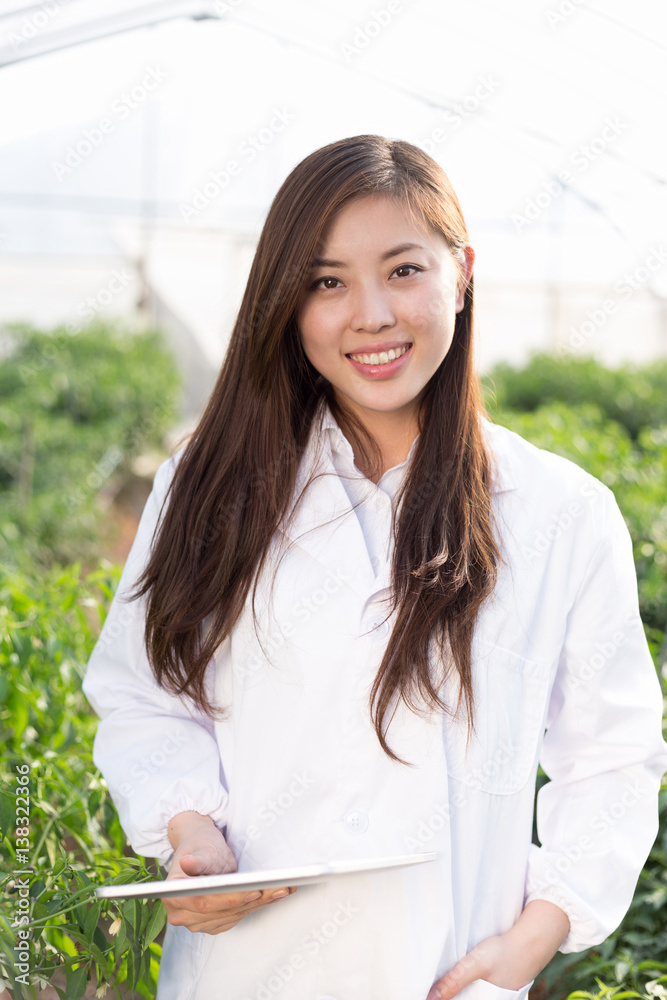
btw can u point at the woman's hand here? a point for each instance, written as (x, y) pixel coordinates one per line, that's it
(200, 849)
(513, 959)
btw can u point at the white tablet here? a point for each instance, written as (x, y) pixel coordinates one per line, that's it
(202, 885)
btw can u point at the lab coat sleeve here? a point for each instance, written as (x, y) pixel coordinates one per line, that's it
(157, 753)
(603, 749)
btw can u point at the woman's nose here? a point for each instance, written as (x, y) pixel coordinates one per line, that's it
(371, 309)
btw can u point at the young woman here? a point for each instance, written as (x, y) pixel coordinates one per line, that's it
(356, 616)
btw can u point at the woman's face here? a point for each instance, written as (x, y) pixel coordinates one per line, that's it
(380, 283)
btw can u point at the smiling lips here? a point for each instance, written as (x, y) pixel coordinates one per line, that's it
(381, 357)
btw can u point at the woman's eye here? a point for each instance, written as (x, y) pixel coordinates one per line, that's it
(320, 282)
(407, 267)
(331, 283)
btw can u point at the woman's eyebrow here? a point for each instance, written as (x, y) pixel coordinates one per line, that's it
(393, 252)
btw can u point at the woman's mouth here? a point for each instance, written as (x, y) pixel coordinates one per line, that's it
(383, 364)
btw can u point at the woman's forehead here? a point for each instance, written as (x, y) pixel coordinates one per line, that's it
(376, 220)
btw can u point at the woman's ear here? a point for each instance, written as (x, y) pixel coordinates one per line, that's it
(463, 283)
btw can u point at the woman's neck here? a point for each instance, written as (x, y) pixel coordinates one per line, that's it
(394, 439)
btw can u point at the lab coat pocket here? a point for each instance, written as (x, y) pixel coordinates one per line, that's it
(481, 990)
(511, 696)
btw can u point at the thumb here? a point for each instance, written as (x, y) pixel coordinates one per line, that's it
(205, 860)
(464, 972)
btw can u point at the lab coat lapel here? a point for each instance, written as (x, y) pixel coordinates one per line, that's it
(505, 477)
(325, 525)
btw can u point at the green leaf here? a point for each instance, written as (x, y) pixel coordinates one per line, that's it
(59, 867)
(121, 943)
(7, 804)
(91, 921)
(621, 970)
(131, 912)
(39, 911)
(156, 922)
(19, 714)
(131, 972)
(98, 954)
(144, 912)
(100, 941)
(76, 984)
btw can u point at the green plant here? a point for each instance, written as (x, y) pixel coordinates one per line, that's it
(632, 395)
(75, 409)
(71, 839)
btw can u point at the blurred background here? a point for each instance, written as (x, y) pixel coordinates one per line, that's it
(119, 121)
(141, 144)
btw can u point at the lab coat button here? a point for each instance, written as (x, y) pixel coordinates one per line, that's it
(356, 821)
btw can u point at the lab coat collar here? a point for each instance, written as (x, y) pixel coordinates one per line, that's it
(338, 440)
(496, 438)
(499, 441)
(325, 525)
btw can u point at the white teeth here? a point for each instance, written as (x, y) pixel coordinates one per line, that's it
(382, 358)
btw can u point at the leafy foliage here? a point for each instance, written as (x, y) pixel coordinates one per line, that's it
(72, 840)
(74, 410)
(632, 395)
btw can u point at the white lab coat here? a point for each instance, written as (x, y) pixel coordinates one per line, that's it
(295, 773)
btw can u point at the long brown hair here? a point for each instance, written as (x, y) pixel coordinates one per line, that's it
(234, 481)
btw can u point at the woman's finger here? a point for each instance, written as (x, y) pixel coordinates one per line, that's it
(464, 972)
(225, 901)
(208, 859)
(215, 913)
